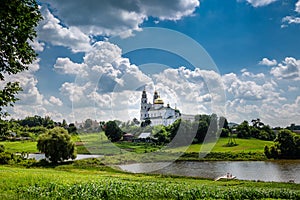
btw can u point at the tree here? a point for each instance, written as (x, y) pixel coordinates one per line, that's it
(18, 19)
(57, 145)
(145, 123)
(202, 131)
(287, 145)
(112, 131)
(64, 124)
(72, 128)
(243, 130)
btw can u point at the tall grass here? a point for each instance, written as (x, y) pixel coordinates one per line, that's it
(120, 189)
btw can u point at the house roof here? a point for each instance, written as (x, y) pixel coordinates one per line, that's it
(128, 135)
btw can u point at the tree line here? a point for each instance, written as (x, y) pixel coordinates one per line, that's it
(31, 127)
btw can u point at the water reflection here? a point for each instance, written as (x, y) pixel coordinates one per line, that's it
(278, 171)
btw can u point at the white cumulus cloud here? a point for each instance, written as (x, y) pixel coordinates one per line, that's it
(51, 30)
(288, 69)
(55, 101)
(267, 62)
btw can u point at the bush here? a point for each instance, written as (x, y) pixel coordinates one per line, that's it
(5, 157)
(57, 145)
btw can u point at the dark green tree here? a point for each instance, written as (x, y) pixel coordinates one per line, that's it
(57, 145)
(202, 131)
(64, 123)
(286, 146)
(72, 128)
(4, 128)
(113, 131)
(243, 130)
(18, 19)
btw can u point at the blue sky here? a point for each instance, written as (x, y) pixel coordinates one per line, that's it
(238, 58)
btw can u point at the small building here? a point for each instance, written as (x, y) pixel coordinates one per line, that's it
(128, 137)
(144, 137)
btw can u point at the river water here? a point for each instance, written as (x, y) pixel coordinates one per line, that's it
(277, 171)
(40, 156)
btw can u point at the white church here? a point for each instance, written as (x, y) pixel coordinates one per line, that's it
(156, 112)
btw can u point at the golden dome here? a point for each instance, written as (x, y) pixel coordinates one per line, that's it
(158, 101)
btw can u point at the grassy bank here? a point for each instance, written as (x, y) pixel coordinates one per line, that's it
(82, 180)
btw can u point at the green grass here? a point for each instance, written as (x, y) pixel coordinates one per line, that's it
(243, 145)
(20, 146)
(73, 182)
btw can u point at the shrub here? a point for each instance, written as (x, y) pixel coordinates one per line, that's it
(57, 145)
(5, 157)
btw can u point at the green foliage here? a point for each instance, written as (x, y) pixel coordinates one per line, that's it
(287, 145)
(204, 126)
(18, 19)
(10, 158)
(2, 148)
(225, 132)
(162, 136)
(258, 130)
(7, 95)
(202, 130)
(4, 127)
(5, 157)
(72, 129)
(222, 156)
(145, 123)
(57, 145)
(37, 121)
(113, 131)
(243, 130)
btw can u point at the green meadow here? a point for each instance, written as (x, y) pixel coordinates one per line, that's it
(97, 143)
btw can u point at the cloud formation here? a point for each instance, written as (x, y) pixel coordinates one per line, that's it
(267, 62)
(259, 3)
(50, 30)
(288, 69)
(112, 17)
(292, 19)
(297, 9)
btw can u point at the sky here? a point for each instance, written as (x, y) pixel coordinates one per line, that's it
(236, 58)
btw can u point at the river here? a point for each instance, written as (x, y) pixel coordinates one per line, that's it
(277, 171)
(40, 156)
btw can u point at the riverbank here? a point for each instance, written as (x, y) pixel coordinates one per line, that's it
(88, 179)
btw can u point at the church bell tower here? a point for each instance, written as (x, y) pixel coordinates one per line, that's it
(144, 106)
